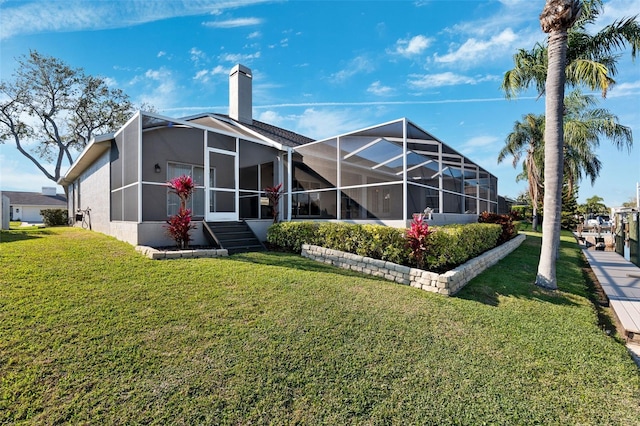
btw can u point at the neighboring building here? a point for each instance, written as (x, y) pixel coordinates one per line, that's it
(26, 206)
(505, 204)
(381, 174)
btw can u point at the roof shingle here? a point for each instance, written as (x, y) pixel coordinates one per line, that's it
(35, 199)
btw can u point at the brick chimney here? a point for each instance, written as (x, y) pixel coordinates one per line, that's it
(240, 96)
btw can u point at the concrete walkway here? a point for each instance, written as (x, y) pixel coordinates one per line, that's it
(620, 280)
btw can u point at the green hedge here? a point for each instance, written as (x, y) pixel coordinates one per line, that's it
(376, 241)
(55, 217)
(452, 245)
(504, 220)
(449, 246)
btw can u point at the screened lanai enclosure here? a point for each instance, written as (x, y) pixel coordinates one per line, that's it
(382, 174)
(386, 173)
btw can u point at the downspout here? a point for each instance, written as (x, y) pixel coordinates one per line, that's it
(478, 191)
(139, 168)
(440, 181)
(207, 175)
(338, 181)
(405, 199)
(289, 176)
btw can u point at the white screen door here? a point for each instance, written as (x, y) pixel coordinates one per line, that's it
(222, 189)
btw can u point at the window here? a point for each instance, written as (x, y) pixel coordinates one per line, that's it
(196, 202)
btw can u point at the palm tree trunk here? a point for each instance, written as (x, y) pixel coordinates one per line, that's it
(553, 154)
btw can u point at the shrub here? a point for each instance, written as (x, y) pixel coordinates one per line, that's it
(376, 241)
(55, 217)
(452, 245)
(417, 239)
(446, 247)
(273, 194)
(382, 242)
(506, 221)
(291, 236)
(179, 226)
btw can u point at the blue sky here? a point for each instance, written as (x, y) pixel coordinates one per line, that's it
(320, 68)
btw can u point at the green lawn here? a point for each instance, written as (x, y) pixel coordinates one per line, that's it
(93, 333)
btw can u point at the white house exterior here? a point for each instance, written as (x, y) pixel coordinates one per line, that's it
(26, 206)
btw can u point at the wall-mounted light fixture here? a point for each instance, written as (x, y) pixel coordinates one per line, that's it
(157, 168)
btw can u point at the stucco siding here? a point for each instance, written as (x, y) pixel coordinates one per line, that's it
(30, 213)
(124, 231)
(94, 193)
(154, 234)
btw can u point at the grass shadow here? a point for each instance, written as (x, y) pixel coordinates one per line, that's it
(515, 275)
(11, 236)
(295, 261)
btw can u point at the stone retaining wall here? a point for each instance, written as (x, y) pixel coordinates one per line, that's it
(156, 254)
(447, 283)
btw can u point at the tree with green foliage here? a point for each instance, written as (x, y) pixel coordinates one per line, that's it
(57, 109)
(575, 57)
(570, 213)
(591, 58)
(556, 19)
(595, 206)
(525, 142)
(584, 126)
(632, 202)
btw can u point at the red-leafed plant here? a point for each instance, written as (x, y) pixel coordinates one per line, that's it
(417, 239)
(179, 226)
(273, 194)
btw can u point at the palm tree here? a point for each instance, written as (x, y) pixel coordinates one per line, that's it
(584, 125)
(574, 57)
(591, 58)
(527, 140)
(556, 18)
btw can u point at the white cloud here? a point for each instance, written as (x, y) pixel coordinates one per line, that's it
(614, 10)
(158, 88)
(480, 142)
(474, 50)
(412, 47)
(111, 82)
(205, 75)
(317, 124)
(325, 123)
(512, 14)
(44, 16)
(161, 54)
(429, 81)
(359, 64)
(201, 75)
(255, 34)
(20, 174)
(196, 55)
(378, 89)
(238, 57)
(624, 89)
(233, 23)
